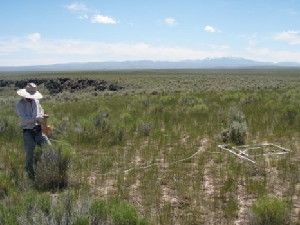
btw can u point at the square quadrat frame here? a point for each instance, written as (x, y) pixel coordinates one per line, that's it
(249, 152)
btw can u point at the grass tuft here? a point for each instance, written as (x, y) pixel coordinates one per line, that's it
(269, 210)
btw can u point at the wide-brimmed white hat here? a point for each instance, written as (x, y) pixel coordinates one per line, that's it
(30, 91)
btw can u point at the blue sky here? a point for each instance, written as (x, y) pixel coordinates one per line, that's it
(46, 32)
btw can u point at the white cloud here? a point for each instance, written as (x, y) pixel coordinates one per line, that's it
(266, 54)
(85, 13)
(170, 21)
(34, 37)
(49, 51)
(291, 37)
(61, 51)
(77, 7)
(210, 29)
(103, 19)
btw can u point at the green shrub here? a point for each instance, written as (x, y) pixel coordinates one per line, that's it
(144, 128)
(124, 214)
(289, 114)
(269, 210)
(127, 118)
(102, 123)
(82, 221)
(99, 212)
(236, 115)
(237, 131)
(52, 168)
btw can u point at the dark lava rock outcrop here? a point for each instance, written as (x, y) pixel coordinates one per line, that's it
(58, 85)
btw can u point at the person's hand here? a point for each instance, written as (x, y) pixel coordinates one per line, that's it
(39, 120)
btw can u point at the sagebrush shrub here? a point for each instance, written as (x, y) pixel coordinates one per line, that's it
(144, 128)
(52, 169)
(189, 100)
(101, 122)
(237, 130)
(289, 114)
(236, 115)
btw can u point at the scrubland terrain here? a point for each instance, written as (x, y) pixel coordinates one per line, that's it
(146, 152)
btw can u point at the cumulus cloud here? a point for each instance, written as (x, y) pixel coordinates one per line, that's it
(91, 15)
(34, 37)
(77, 7)
(291, 37)
(103, 19)
(170, 21)
(210, 29)
(62, 51)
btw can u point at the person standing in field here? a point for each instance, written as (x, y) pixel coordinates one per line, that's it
(31, 114)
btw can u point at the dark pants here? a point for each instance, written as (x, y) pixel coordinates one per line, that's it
(32, 137)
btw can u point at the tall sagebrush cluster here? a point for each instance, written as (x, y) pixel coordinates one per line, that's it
(237, 130)
(52, 168)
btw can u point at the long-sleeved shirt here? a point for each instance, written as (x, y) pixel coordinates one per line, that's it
(29, 112)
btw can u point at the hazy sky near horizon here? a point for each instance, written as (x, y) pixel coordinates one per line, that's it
(59, 31)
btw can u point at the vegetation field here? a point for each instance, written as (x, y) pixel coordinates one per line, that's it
(148, 152)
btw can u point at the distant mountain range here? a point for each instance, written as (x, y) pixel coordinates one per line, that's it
(208, 63)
